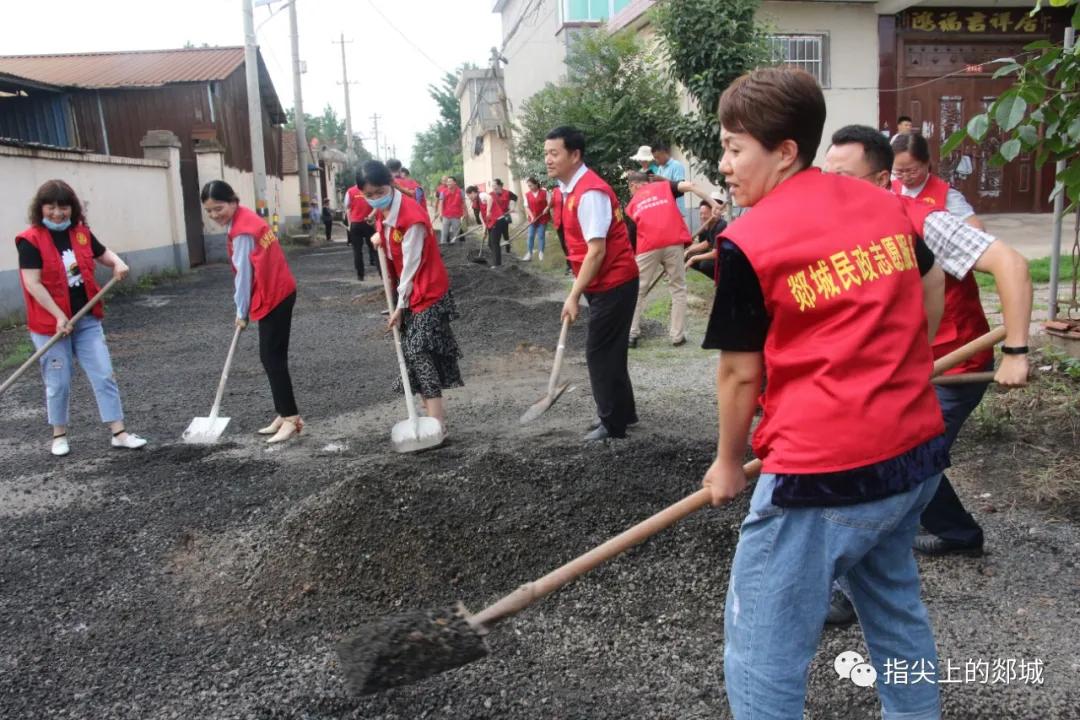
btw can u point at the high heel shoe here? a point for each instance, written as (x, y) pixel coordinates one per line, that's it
(272, 427)
(287, 430)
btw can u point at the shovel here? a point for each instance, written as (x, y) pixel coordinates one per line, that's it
(407, 648)
(57, 337)
(207, 430)
(553, 390)
(416, 433)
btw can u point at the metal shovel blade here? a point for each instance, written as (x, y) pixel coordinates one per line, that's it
(415, 435)
(540, 406)
(204, 430)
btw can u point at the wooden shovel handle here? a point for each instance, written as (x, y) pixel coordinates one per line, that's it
(560, 349)
(529, 593)
(965, 379)
(965, 352)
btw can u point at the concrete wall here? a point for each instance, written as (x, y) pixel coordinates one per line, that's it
(536, 52)
(129, 204)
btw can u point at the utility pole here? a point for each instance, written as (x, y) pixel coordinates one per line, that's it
(375, 122)
(348, 107)
(251, 67)
(301, 131)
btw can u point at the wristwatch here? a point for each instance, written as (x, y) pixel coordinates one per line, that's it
(1019, 350)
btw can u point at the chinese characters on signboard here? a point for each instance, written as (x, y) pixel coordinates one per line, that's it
(945, 20)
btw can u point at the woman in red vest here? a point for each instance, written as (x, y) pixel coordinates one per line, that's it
(265, 291)
(536, 207)
(500, 204)
(949, 527)
(418, 276)
(827, 304)
(57, 255)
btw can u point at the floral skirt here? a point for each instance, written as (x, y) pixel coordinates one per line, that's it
(431, 352)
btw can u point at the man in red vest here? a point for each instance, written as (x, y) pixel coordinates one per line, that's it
(828, 305)
(598, 248)
(500, 205)
(406, 184)
(452, 207)
(361, 228)
(661, 236)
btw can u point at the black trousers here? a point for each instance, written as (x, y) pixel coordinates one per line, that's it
(360, 238)
(274, 330)
(945, 515)
(329, 230)
(500, 230)
(606, 350)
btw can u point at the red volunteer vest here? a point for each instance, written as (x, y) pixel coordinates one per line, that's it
(538, 202)
(271, 280)
(498, 205)
(846, 353)
(556, 208)
(619, 265)
(54, 275)
(659, 222)
(359, 208)
(430, 282)
(453, 206)
(963, 319)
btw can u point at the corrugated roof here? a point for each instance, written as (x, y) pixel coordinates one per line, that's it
(142, 68)
(288, 153)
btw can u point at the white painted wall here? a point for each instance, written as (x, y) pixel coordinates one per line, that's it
(126, 200)
(537, 55)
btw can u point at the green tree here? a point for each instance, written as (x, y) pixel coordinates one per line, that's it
(437, 150)
(1040, 112)
(614, 92)
(330, 130)
(707, 44)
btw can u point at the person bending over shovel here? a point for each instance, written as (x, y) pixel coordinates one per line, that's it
(829, 306)
(598, 248)
(57, 255)
(264, 291)
(419, 279)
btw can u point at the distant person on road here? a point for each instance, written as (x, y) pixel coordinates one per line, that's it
(264, 291)
(452, 208)
(500, 204)
(327, 218)
(57, 257)
(644, 158)
(473, 194)
(539, 215)
(361, 228)
(903, 125)
(664, 165)
(425, 306)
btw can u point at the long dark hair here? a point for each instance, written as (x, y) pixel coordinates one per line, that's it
(56, 192)
(218, 190)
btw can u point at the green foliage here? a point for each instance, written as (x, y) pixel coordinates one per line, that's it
(1044, 97)
(437, 150)
(708, 44)
(17, 355)
(330, 130)
(1039, 269)
(614, 92)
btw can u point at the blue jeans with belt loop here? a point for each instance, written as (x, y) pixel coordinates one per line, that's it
(778, 596)
(86, 344)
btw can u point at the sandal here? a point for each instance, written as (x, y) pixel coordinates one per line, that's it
(273, 427)
(287, 430)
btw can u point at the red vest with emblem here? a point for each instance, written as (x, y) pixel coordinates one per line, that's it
(430, 282)
(271, 280)
(556, 208)
(54, 275)
(453, 206)
(846, 353)
(659, 222)
(538, 201)
(409, 187)
(359, 209)
(963, 319)
(619, 265)
(498, 205)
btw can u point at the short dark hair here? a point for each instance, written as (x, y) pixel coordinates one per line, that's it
(636, 176)
(220, 191)
(56, 192)
(393, 164)
(451, 177)
(532, 180)
(405, 171)
(903, 118)
(775, 104)
(913, 143)
(875, 146)
(497, 181)
(471, 189)
(374, 173)
(573, 139)
(661, 145)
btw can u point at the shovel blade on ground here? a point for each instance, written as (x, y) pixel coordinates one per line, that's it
(413, 436)
(204, 430)
(540, 406)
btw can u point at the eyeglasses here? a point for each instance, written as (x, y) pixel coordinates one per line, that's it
(907, 172)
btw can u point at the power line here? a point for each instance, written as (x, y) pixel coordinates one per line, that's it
(407, 39)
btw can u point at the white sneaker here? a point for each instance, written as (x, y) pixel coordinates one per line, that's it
(60, 446)
(131, 442)
(526, 257)
(540, 256)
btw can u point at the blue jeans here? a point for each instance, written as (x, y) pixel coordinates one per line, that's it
(87, 345)
(778, 596)
(537, 231)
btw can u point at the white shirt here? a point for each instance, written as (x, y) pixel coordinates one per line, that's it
(593, 210)
(412, 246)
(955, 202)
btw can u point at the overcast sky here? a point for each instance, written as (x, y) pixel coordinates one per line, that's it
(391, 76)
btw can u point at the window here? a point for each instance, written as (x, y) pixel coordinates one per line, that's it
(591, 10)
(806, 52)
